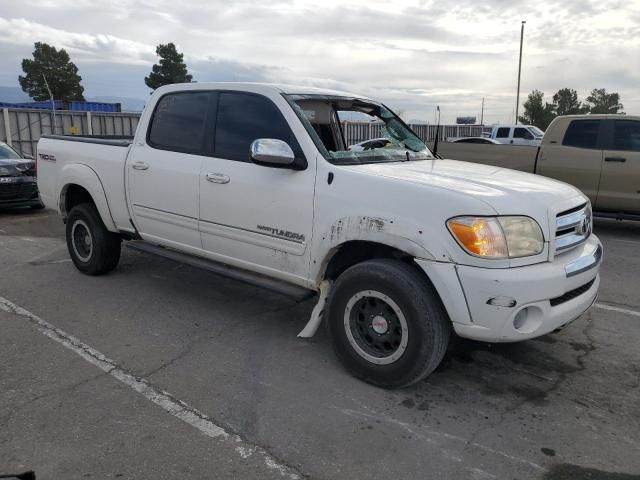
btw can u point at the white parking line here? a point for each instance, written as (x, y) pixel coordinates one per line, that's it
(167, 401)
(617, 309)
(630, 242)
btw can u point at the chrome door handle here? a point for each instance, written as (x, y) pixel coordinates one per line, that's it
(218, 178)
(140, 165)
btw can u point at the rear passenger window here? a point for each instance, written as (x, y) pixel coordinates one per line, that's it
(503, 132)
(626, 135)
(582, 134)
(178, 122)
(243, 118)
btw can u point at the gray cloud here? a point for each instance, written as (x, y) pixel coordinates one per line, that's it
(412, 56)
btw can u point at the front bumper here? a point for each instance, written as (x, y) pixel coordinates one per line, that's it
(513, 304)
(17, 191)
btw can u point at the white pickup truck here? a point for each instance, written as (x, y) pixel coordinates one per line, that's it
(516, 134)
(256, 182)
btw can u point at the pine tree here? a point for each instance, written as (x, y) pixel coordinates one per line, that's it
(170, 69)
(54, 67)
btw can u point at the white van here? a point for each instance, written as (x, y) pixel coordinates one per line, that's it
(516, 134)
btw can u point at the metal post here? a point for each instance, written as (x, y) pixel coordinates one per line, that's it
(89, 126)
(519, 69)
(482, 113)
(7, 126)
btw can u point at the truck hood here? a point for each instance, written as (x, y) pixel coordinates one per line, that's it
(508, 192)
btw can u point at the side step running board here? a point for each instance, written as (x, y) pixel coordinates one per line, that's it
(256, 279)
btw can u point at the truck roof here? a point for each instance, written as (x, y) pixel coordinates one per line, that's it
(602, 116)
(262, 87)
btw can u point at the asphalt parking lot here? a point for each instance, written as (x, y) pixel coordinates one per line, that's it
(203, 377)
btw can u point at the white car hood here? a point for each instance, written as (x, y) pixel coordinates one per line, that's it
(508, 192)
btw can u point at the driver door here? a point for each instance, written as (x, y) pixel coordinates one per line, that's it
(252, 216)
(522, 136)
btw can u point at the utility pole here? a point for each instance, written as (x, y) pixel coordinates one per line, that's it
(482, 113)
(519, 69)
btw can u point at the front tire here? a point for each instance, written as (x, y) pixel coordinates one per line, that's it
(387, 324)
(93, 249)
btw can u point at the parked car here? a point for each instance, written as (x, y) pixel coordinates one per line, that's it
(516, 134)
(599, 154)
(18, 185)
(399, 246)
(481, 140)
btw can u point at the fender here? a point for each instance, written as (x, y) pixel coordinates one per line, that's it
(87, 178)
(393, 233)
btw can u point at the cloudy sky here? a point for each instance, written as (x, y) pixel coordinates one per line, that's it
(413, 55)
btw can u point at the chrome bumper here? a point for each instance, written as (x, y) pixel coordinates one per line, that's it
(584, 263)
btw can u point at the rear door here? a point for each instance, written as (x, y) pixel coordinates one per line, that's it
(503, 134)
(253, 216)
(577, 157)
(164, 170)
(620, 183)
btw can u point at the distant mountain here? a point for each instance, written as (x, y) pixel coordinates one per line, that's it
(128, 104)
(13, 95)
(16, 95)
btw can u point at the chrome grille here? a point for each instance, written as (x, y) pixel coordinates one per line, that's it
(573, 227)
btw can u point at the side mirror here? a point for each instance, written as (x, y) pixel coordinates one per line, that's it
(26, 156)
(272, 153)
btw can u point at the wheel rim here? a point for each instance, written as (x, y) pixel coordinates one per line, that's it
(81, 240)
(376, 327)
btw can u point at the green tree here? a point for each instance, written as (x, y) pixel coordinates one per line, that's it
(602, 102)
(536, 111)
(60, 72)
(170, 69)
(566, 102)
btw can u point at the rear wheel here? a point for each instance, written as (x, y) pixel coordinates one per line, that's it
(387, 324)
(93, 249)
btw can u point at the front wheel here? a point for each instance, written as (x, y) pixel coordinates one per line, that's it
(387, 324)
(93, 249)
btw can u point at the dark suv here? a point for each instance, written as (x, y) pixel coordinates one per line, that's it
(18, 185)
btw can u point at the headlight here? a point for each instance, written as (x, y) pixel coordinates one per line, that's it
(497, 237)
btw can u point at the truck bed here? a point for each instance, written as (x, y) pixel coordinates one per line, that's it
(101, 160)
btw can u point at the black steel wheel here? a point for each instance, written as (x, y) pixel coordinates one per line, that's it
(387, 323)
(93, 249)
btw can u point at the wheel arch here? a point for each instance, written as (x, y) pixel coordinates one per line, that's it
(81, 184)
(352, 252)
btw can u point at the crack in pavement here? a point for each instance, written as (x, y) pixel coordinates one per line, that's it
(58, 391)
(555, 384)
(155, 394)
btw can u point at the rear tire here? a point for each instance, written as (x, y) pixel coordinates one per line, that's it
(387, 323)
(93, 249)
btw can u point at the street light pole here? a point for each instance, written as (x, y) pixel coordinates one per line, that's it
(519, 69)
